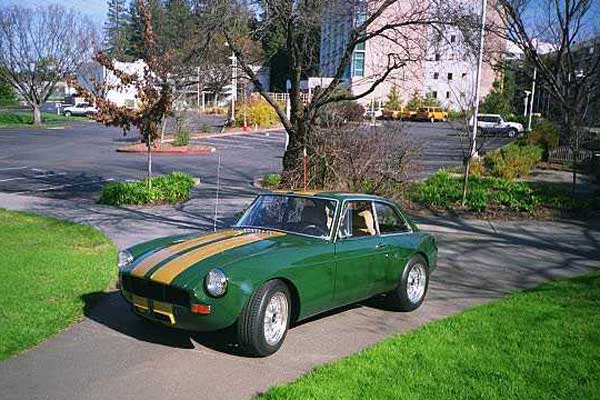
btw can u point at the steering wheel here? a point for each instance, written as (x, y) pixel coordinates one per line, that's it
(313, 229)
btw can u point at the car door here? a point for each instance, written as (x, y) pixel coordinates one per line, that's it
(358, 253)
(395, 239)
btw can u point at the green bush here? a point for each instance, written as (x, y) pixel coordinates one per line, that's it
(182, 138)
(444, 191)
(545, 135)
(205, 128)
(513, 161)
(271, 180)
(173, 188)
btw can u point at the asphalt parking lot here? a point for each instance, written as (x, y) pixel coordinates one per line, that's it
(75, 162)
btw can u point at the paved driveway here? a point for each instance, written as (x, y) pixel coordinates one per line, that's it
(112, 353)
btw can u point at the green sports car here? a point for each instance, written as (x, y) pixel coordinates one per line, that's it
(289, 257)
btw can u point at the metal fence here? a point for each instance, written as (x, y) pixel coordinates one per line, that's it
(564, 154)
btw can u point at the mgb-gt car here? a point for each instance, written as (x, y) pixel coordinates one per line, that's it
(289, 257)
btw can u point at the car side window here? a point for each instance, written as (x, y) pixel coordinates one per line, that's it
(357, 220)
(389, 221)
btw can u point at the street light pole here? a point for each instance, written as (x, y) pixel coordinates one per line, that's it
(532, 99)
(478, 79)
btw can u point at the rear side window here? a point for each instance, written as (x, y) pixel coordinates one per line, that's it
(389, 220)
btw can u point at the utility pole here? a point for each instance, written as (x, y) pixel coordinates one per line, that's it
(473, 149)
(233, 84)
(478, 78)
(532, 99)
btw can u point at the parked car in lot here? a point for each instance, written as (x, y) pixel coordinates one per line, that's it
(377, 113)
(402, 114)
(80, 109)
(494, 124)
(432, 114)
(290, 256)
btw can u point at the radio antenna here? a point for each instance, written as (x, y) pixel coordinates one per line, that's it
(217, 194)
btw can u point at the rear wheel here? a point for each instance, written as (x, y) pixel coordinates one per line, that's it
(411, 290)
(264, 321)
(68, 113)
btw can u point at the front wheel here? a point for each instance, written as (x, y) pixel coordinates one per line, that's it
(67, 114)
(264, 321)
(512, 133)
(411, 290)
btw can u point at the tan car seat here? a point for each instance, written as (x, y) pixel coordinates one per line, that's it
(363, 223)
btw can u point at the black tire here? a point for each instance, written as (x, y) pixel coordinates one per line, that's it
(512, 133)
(251, 325)
(67, 114)
(399, 299)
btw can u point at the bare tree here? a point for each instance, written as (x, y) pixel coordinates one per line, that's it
(401, 27)
(152, 83)
(561, 44)
(39, 47)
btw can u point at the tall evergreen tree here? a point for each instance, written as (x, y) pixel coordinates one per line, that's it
(135, 27)
(115, 29)
(178, 18)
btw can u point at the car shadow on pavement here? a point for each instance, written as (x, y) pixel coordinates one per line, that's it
(112, 311)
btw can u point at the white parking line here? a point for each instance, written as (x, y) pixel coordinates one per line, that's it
(13, 168)
(224, 144)
(66, 186)
(262, 139)
(21, 178)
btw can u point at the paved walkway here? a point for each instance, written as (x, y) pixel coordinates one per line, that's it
(112, 353)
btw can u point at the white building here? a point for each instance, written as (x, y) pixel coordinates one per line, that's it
(444, 67)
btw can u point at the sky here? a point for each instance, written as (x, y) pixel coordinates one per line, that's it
(94, 9)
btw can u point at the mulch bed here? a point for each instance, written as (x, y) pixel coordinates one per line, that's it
(167, 149)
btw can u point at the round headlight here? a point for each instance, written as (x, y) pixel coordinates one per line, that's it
(125, 258)
(216, 282)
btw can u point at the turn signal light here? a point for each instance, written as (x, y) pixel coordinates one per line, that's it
(200, 309)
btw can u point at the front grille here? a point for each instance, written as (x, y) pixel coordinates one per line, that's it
(155, 291)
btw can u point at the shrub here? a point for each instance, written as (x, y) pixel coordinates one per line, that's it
(341, 112)
(513, 161)
(182, 138)
(205, 128)
(271, 180)
(173, 188)
(258, 112)
(545, 135)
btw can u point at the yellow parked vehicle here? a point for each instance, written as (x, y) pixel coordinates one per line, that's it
(431, 114)
(406, 114)
(390, 114)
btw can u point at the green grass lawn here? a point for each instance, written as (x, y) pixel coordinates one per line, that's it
(540, 344)
(46, 266)
(25, 119)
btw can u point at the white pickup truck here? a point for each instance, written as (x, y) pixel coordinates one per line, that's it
(80, 109)
(496, 125)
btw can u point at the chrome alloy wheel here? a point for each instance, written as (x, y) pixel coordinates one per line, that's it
(415, 286)
(276, 318)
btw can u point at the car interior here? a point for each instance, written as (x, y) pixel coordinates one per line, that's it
(358, 220)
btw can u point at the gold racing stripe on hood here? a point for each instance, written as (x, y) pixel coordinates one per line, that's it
(146, 265)
(167, 273)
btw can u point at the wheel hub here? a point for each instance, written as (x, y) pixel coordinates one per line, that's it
(276, 318)
(417, 279)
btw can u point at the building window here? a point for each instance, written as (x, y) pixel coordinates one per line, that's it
(464, 74)
(447, 95)
(360, 46)
(437, 57)
(449, 76)
(453, 39)
(436, 75)
(434, 94)
(358, 64)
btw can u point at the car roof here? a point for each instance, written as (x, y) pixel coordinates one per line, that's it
(488, 115)
(328, 195)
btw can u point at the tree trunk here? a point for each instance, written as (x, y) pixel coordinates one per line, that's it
(467, 164)
(574, 181)
(37, 115)
(149, 144)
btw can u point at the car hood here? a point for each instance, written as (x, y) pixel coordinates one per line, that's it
(184, 261)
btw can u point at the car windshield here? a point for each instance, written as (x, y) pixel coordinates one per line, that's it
(294, 214)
